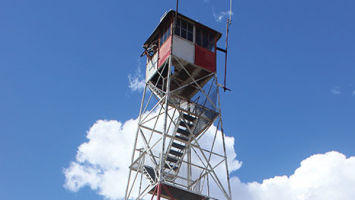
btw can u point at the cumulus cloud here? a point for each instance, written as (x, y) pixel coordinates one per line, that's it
(326, 176)
(136, 81)
(353, 93)
(102, 164)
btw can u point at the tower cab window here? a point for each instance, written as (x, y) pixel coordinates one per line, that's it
(184, 29)
(205, 39)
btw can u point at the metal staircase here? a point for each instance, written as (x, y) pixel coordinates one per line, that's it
(193, 120)
(177, 148)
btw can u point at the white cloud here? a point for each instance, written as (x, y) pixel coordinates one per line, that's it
(335, 91)
(353, 93)
(221, 15)
(102, 164)
(136, 81)
(326, 176)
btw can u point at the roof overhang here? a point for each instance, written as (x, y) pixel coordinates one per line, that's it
(169, 15)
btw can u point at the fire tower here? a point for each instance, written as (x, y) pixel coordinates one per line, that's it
(179, 152)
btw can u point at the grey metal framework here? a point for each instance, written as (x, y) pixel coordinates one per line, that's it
(175, 155)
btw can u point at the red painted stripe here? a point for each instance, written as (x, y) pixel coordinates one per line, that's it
(205, 58)
(164, 51)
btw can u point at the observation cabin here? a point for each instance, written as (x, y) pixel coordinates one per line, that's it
(190, 44)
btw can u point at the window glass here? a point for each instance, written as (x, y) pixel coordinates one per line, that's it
(190, 36)
(161, 41)
(190, 27)
(165, 36)
(184, 29)
(183, 25)
(190, 31)
(183, 33)
(211, 42)
(177, 27)
(198, 37)
(167, 33)
(205, 39)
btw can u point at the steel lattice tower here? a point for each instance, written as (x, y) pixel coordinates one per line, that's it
(179, 151)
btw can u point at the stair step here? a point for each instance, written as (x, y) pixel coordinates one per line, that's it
(178, 146)
(182, 138)
(189, 117)
(183, 124)
(171, 159)
(171, 166)
(184, 132)
(150, 172)
(175, 153)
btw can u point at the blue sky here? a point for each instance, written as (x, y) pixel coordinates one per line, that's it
(65, 64)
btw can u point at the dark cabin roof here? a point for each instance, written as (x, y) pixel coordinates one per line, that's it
(170, 15)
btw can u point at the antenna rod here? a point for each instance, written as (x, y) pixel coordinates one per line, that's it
(175, 18)
(174, 25)
(229, 21)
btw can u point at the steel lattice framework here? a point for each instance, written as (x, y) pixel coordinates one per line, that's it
(179, 150)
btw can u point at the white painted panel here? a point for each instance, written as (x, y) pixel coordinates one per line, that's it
(184, 49)
(151, 67)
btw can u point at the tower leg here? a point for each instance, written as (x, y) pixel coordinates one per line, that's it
(159, 191)
(165, 131)
(224, 148)
(135, 144)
